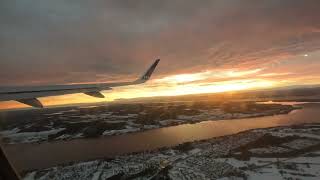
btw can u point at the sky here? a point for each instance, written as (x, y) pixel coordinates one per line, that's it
(204, 46)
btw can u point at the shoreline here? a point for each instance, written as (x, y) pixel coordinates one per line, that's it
(15, 136)
(23, 157)
(241, 146)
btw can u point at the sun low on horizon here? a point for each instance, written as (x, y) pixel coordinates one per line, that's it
(208, 81)
(207, 47)
(168, 86)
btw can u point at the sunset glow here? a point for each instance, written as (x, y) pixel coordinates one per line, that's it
(210, 81)
(182, 78)
(181, 84)
(122, 89)
(206, 47)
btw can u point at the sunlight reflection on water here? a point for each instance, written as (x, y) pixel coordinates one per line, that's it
(30, 156)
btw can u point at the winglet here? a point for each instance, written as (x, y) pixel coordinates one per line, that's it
(146, 76)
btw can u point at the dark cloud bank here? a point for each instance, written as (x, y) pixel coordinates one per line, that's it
(85, 41)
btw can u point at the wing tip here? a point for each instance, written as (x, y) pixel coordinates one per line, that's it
(146, 76)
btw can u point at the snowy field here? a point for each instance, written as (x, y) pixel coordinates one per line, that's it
(273, 153)
(71, 123)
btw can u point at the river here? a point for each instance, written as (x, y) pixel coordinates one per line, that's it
(36, 156)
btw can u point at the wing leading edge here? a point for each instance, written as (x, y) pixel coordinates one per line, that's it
(29, 95)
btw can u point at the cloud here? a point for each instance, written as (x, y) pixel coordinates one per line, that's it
(45, 42)
(275, 74)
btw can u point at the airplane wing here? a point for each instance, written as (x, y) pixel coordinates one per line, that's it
(29, 95)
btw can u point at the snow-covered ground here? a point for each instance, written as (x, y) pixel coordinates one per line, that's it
(71, 124)
(256, 154)
(27, 137)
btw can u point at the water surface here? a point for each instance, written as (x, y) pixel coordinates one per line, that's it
(34, 156)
